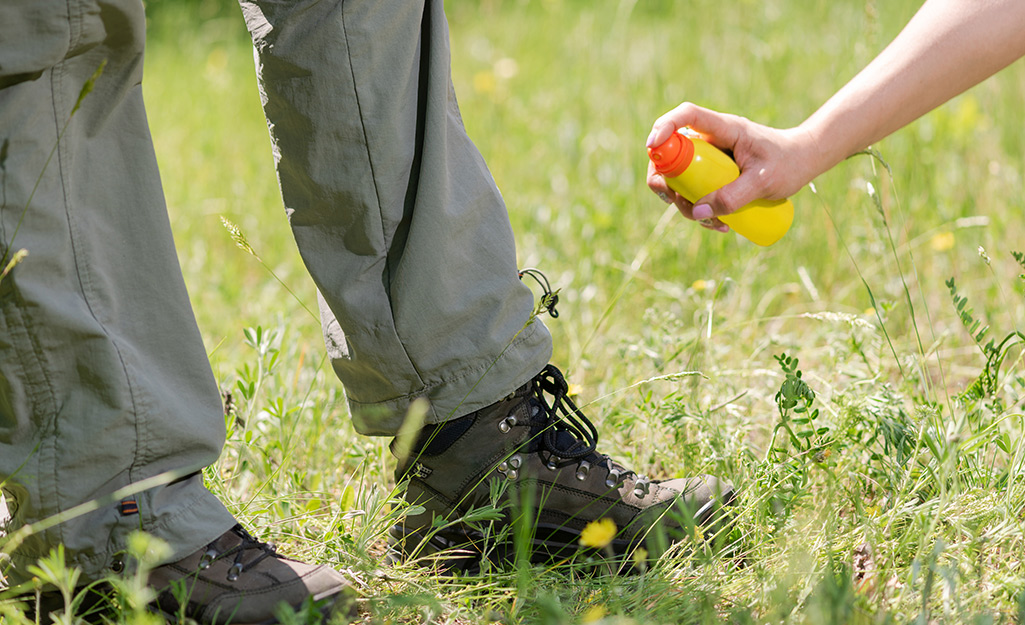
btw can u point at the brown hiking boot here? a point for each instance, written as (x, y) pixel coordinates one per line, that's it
(239, 580)
(541, 458)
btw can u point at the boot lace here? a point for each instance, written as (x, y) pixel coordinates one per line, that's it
(248, 544)
(560, 416)
(568, 436)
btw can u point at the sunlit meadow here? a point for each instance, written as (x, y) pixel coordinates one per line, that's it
(879, 463)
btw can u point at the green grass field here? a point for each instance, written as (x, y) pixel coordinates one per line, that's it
(901, 501)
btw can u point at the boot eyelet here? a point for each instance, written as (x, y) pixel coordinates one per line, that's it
(613, 479)
(507, 424)
(207, 559)
(234, 572)
(509, 468)
(582, 470)
(553, 463)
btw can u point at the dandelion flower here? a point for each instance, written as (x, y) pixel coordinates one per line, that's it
(598, 534)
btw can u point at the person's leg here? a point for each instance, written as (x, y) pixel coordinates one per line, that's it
(394, 211)
(104, 380)
(409, 243)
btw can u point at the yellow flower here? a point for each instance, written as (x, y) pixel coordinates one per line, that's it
(699, 285)
(598, 534)
(942, 241)
(574, 389)
(593, 614)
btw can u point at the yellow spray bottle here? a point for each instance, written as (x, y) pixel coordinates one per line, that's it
(694, 168)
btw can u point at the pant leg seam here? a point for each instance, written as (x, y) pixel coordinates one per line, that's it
(85, 283)
(56, 86)
(82, 270)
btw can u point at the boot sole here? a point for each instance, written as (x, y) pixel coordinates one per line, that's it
(462, 550)
(344, 602)
(466, 547)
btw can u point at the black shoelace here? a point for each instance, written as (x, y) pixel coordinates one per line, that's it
(562, 415)
(248, 544)
(568, 435)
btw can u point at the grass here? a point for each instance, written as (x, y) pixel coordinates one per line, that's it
(901, 501)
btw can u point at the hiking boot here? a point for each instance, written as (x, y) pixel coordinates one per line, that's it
(239, 580)
(539, 456)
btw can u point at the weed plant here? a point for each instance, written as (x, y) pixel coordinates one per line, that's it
(860, 382)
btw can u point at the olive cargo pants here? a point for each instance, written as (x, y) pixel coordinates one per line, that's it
(104, 380)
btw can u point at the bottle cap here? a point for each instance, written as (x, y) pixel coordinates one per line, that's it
(674, 155)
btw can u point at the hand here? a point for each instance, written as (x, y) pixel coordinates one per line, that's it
(657, 183)
(774, 164)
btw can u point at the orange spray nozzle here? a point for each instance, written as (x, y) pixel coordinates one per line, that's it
(673, 156)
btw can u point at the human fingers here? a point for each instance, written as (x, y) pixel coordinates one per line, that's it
(719, 128)
(702, 213)
(657, 183)
(759, 179)
(728, 199)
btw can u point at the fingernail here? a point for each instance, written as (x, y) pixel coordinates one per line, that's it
(665, 198)
(702, 211)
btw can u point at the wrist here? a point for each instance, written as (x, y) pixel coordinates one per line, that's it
(808, 155)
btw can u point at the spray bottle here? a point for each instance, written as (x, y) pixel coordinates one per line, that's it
(694, 168)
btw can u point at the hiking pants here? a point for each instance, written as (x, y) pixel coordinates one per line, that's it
(104, 379)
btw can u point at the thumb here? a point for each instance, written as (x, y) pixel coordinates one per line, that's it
(729, 198)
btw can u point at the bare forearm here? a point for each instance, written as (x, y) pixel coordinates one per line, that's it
(949, 46)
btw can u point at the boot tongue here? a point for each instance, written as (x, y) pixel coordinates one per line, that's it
(565, 438)
(565, 443)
